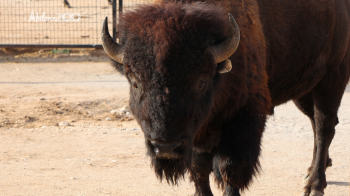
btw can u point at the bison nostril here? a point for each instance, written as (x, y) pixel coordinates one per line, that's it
(165, 148)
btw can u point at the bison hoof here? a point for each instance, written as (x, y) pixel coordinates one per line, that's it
(316, 193)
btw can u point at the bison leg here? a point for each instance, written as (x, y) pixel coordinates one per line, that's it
(236, 160)
(201, 168)
(327, 97)
(306, 105)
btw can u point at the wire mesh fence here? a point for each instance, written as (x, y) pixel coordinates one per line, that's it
(39, 23)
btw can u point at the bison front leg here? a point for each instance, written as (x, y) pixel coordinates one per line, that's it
(201, 168)
(237, 158)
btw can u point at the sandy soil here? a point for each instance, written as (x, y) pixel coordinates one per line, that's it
(104, 154)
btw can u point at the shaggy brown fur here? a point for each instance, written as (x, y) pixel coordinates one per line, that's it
(289, 50)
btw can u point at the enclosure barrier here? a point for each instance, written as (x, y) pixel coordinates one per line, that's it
(59, 23)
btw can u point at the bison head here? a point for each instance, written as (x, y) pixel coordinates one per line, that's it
(173, 56)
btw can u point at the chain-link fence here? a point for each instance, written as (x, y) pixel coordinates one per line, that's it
(58, 23)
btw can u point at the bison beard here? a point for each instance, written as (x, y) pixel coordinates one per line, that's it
(170, 169)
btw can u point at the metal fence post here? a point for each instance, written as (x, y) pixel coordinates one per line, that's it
(120, 6)
(114, 10)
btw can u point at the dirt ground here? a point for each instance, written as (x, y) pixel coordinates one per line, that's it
(96, 152)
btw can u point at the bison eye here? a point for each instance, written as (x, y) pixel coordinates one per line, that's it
(134, 82)
(202, 84)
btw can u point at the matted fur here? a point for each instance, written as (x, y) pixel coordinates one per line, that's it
(172, 170)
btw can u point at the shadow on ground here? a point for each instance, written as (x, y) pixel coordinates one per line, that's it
(338, 183)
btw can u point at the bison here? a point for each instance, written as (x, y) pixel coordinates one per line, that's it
(202, 86)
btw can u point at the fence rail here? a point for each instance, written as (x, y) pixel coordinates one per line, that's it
(58, 23)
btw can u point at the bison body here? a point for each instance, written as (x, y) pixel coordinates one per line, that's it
(202, 115)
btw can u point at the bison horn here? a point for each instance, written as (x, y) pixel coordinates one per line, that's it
(112, 48)
(225, 49)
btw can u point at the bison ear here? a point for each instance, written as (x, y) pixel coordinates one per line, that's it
(224, 67)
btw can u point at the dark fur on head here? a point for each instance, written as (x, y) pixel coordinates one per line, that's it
(167, 46)
(159, 26)
(119, 67)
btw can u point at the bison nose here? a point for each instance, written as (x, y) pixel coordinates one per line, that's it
(165, 148)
